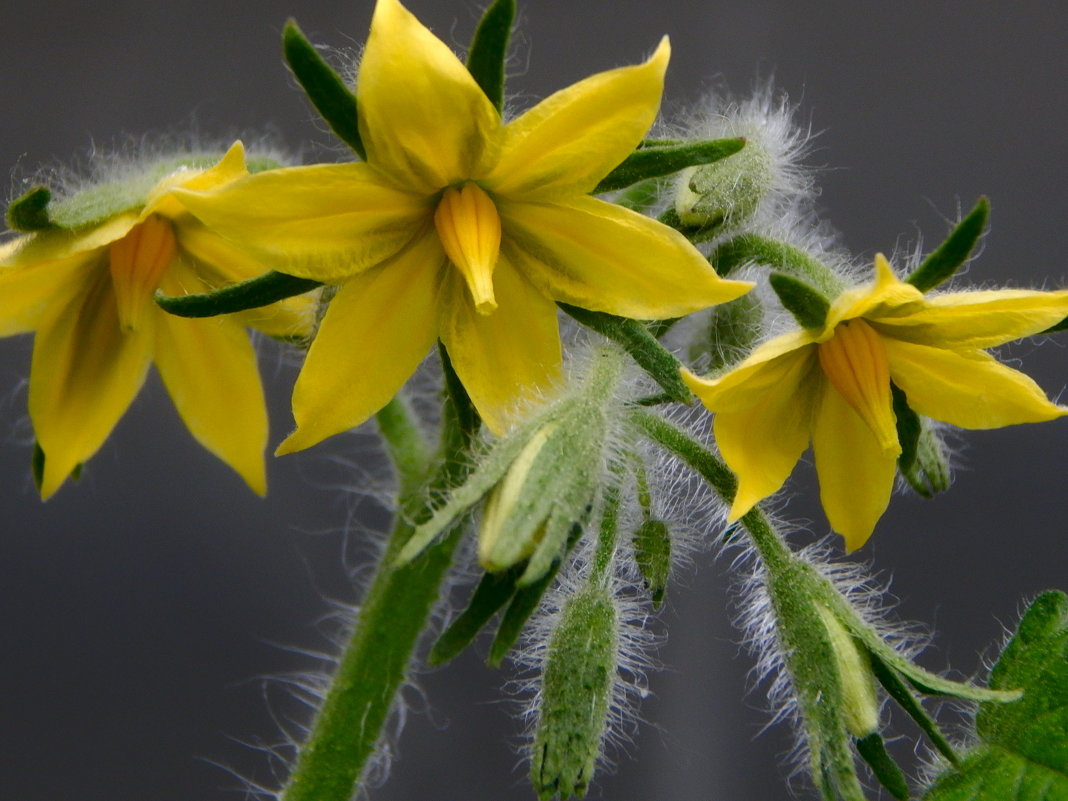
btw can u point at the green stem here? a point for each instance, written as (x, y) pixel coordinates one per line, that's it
(406, 444)
(392, 616)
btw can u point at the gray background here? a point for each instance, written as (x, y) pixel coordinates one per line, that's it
(141, 607)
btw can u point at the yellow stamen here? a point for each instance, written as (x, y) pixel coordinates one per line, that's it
(470, 232)
(854, 361)
(138, 262)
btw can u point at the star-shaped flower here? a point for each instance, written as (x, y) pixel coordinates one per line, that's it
(462, 227)
(87, 294)
(833, 385)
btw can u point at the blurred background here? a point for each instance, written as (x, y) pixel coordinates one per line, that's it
(141, 609)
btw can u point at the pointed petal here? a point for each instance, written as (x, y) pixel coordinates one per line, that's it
(856, 475)
(228, 169)
(571, 140)
(210, 262)
(505, 359)
(969, 389)
(28, 293)
(56, 245)
(424, 121)
(887, 295)
(376, 331)
(326, 222)
(965, 320)
(762, 442)
(744, 386)
(84, 374)
(603, 257)
(209, 369)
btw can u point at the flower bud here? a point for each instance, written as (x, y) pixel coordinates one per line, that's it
(859, 704)
(726, 193)
(575, 696)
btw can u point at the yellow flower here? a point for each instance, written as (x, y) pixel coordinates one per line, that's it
(88, 296)
(833, 385)
(461, 227)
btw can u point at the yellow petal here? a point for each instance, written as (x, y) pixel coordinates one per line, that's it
(887, 295)
(424, 121)
(376, 331)
(506, 359)
(56, 245)
(228, 169)
(85, 372)
(969, 389)
(210, 262)
(600, 256)
(325, 222)
(470, 232)
(762, 442)
(854, 361)
(745, 385)
(209, 369)
(571, 140)
(138, 262)
(28, 293)
(965, 320)
(856, 474)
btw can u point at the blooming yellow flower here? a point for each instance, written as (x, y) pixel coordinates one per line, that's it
(88, 296)
(833, 385)
(447, 182)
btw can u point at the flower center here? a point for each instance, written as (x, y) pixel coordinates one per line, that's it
(470, 231)
(138, 262)
(854, 361)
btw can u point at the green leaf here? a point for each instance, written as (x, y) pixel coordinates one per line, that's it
(655, 160)
(262, 290)
(1022, 754)
(947, 258)
(654, 358)
(29, 212)
(494, 590)
(489, 49)
(806, 304)
(324, 87)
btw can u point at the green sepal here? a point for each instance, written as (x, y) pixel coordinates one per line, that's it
(897, 689)
(929, 473)
(652, 552)
(883, 767)
(323, 86)
(655, 160)
(1022, 753)
(654, 358)
(781, 257)
(947, 258)
(808, 306)
(29, 212)
(909, 429)
(489, 49)
(494, 590)
(523, 605)
(695, 233)
(262, 290)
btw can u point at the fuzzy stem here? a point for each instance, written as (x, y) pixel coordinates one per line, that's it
(406, 444)
(392, 616)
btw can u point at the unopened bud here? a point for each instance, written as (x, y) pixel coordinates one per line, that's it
(726, 193)
(860, 706)
(652, 552)
(575, 695)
